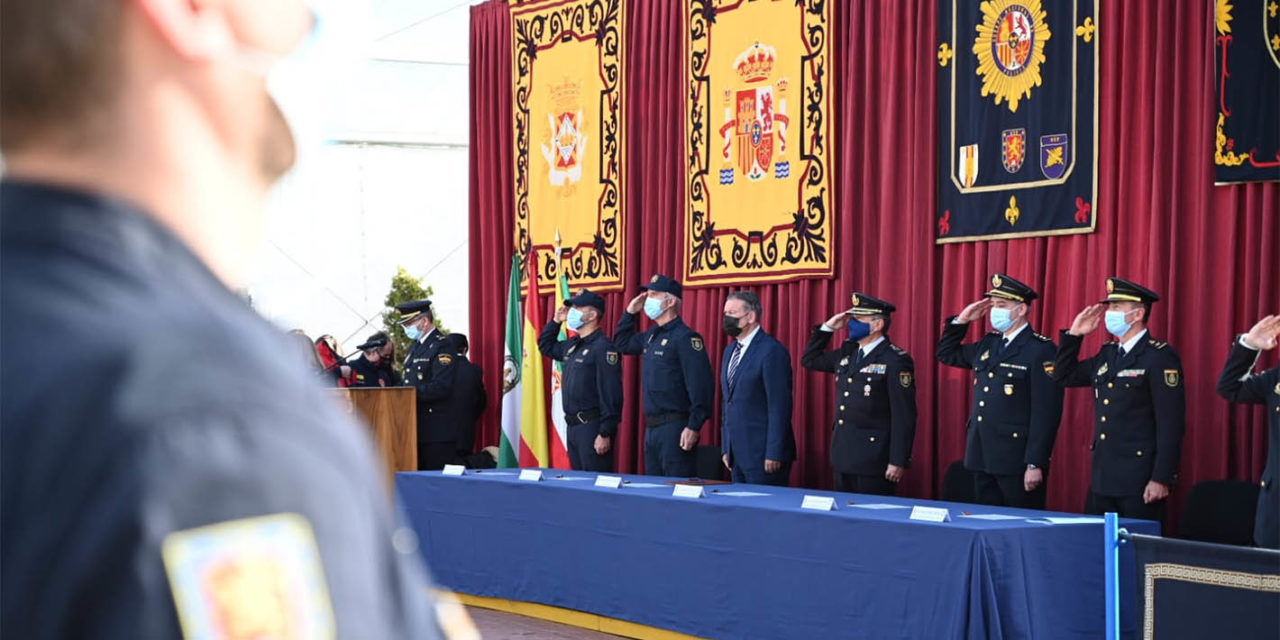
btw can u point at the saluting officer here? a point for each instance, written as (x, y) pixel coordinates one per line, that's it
(1016, 408)
(875, 422)
(436, 438)
(676, 378)
(1237, 383)
(367, 370)
(592, 380)
(1139, 403)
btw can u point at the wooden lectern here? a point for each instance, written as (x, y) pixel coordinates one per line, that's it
(392, 415)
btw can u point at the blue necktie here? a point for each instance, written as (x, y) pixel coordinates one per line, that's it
(733, 363)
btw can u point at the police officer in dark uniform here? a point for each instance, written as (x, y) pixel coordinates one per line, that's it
(1139, 403)
(592, 388)
(875, 424)
(365, 369)
(462, 408)
(676, 378)
(430, 372)
(1016, 408)
(1238, 384)
(161, 454)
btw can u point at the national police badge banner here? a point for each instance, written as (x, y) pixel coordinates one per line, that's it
(567, 58)
(758, 141)
(1247, 69)
(1017, 107)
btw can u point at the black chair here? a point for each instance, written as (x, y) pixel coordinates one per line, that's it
(957, 485)
(1220, 511)
(710, 466)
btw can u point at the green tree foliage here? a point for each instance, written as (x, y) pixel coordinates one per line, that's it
(404, 288)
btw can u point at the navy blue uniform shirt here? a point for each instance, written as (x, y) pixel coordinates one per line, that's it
(592, 375)
(676, 376)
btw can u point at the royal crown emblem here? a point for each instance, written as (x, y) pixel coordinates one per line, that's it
(1010, 49)
(1111, 286)
(997, 281)
(753, 116)
(857, 301)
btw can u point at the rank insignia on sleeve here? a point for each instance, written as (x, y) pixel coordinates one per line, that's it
(253, 578)
(611, 357)
(1171, 377)
(905, 379)
(697, 343)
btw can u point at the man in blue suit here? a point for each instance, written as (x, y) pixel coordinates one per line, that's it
(755, 382)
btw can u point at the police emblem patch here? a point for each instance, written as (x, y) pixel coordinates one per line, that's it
(1010, 49)
(1008, 389)
(857, 300)
(654, 278)
(1013, 149)
(254, 578)
(445, 359)
(696, 342)
(905, 379)
(1171, 377)
(1053, 155)
(611, 357)
(1048, 367)
(996, 281)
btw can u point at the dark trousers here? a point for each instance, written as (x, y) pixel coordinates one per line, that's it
(663, 455)
(433, 456)
(1008, 491)
(875, 485)
(1125, 506)
(582, 449)
(755, 474)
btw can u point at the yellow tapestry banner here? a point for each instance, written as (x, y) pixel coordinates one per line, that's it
(758, 125)
(567, 58)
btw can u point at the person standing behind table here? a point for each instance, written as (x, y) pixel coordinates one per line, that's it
(756, 439)
(1016, 407)
(592, 380)
(1139, 403)
(464, 406)
(875, 423)
(436, 438)
(675, 378)
(1238, 384)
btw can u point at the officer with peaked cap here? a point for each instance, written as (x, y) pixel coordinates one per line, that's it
(366, 370)
(1139, 403)
(1016, 407)
(1238, 383)
(427, 369)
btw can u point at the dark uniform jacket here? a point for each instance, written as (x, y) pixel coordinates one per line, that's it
(676, 376)
(141, 416)
(368, 374)
(1139, 406)
(465, 403)
(1016, 408)
(430, 372)
(592, 389)
(875, 420)
(1237, 384)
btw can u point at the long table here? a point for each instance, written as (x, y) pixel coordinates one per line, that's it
(735, 566)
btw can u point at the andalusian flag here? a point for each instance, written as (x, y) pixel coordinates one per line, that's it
(512, 370)
(524, 408)
(559, 448)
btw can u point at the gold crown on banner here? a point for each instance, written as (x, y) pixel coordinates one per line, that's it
(756, 63)
(565, 95)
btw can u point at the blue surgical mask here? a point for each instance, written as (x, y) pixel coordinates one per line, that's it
(1001, 319)
(858, 330)
(412, 332)
(574, 320)
(1116, 325)
(652, 308)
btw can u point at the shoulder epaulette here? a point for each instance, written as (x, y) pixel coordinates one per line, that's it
(898, 350)
(1041, 338)
(1158, 344)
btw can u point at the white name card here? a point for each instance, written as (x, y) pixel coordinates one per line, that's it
(531, 475)
(454, 469)
(609, 482)
(689, 491)
(930, 514)
(819, 503)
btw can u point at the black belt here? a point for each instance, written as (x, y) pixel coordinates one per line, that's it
(581, 417)
(655, 419)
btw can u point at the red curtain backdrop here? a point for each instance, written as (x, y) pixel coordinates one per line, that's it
(1210, 251)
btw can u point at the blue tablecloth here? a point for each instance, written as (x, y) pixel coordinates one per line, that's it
(760, 567)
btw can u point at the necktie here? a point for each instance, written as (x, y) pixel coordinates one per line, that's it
(733, 362)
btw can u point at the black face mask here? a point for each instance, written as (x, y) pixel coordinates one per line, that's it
(731, 327)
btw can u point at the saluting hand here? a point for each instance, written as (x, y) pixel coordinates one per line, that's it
(1087, 321)
(974, 311)
(561, 314)
(838, 321)
(1263, 336)
(637, 303)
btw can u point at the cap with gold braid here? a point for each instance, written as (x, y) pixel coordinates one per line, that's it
(411, 310)
(1121, 290)
(1003, 286)
(865, 305)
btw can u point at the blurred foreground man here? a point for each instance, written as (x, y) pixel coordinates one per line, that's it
(150, 488)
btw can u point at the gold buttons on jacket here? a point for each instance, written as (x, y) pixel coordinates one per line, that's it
(842, 407)
(982, 403)
(979, 418)
(846, 394)
(1111, 385)
(1106, 402)
(873, 438)
(991, 375)
(1104, 418)
(1139, 454)
(1102, 437)
(1015, 434)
